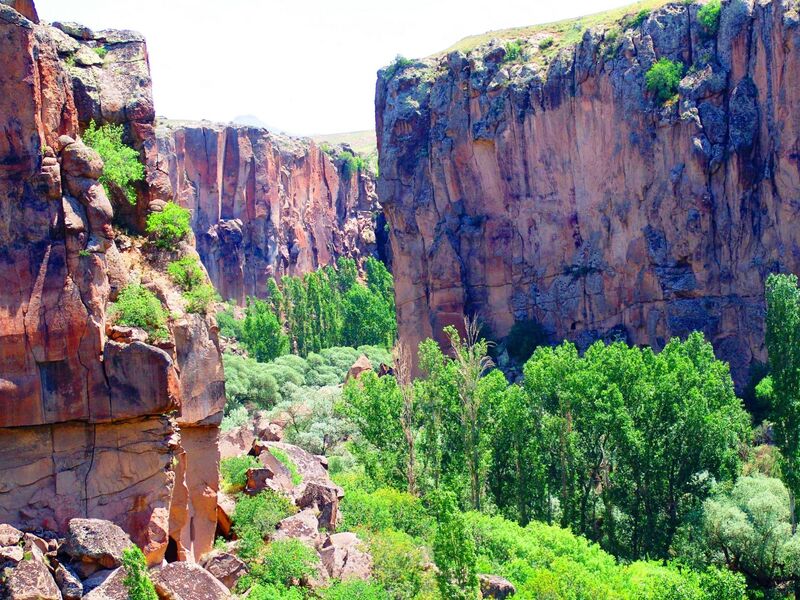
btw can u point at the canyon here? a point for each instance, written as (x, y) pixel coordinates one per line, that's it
(558, 189)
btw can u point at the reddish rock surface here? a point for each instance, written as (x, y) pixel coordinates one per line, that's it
(263, 205)
(83, 431)
(566, 194)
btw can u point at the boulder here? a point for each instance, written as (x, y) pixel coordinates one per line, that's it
(266, 429)
(303, 526)
(31, 580)
(94, 543)
(187, 581)
(226, 567)
(225, 507)
(9, 536)
(324, 498)
(106, 585)
(308, 466)
(10, 556)
(493, 586)
(68, 582)
(344, 557)
(361, 365)
(235, 442)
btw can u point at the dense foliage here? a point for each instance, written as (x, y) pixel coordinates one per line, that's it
(121, 164)
(663, 79)
(137, 581)
(169, 226)
(708, 16)
(136, 306)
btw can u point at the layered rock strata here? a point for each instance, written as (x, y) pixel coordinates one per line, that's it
(94, 421)
(263, 204)
(559, 189)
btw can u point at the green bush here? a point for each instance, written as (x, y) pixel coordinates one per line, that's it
(255, 518)
(275, 592)
(524, 338)
(546, 43)
(136, 306)
(356, 590)
(513, 51)
(398, 564)
(229, 326)
(294, 362)
(249, 382)
(186, 273)
(399, 63)
(137, 580)
(708, 16)
(199, 298)
(233, 472)
(640, 18)
(663, 79)
(351, 164)
(235, 417)
(262, 333)
(283, 563)
(384, 509)
(101, 51)
(169, 226)
(121, 164)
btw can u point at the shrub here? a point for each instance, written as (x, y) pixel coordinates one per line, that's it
(233, 472)
(297, 363)
(640, 18)
(121, 165)
(229, 326)
(287, 462)
(546, 43)
(708, 16)
(137, 581)
(274, 592)
(356, 590)
(247, 381)
(513, 51)
(169, 226)
(398, 564)
(663, 78)
(524, 338)
(255, 518)
(351, 164)
(237, 417)
(399, 63)
(284, 562)
(101, 51)
(136, 306)
(186, 273)
(384, 509)
(199, 298)
(262, 334)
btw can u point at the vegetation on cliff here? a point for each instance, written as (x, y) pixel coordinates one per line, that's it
(121, 164)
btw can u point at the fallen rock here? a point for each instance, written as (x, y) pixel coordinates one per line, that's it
(31, 580)
(343, 557)
(31, 541)
(10, 556)
(9, 536)
(94, 543)
(361, 365)
(308, 466)
(266, 429)
(68, 582)
(303, 526)
(324, 498)
(235, 442)
(110, 588)
(262, 479)
(226, 567)
(493, 586)
(187, 581)
(225, 508)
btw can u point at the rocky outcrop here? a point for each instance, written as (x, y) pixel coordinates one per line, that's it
(264, 205)
(562, 191)
(118, 430)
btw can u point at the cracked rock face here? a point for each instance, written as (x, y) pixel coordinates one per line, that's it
(84, 430)
(263, 205)
(565, 193)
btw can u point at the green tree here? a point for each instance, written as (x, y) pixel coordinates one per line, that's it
(137, 580)
(121, 164)
(708, 16)
(454, 551)
(136, 306)
(663, 78)
(368, 319)
(262, 334)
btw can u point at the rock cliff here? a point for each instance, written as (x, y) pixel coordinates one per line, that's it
(556, 187)
(264, 205)
(92, 423)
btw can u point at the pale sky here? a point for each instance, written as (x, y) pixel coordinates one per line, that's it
(302, 66)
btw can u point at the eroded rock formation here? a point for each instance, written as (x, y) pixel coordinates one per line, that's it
(263, 205)
(564, 192)
(89, 427)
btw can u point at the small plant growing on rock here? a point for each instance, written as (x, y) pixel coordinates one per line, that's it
(708, 16)
(400, 63)
(136, 580)
(513, 51)
(287, 462)
(640, 18)
(546, 43)
(351, 163)
(137, 306)
(186, 273)
(233, 472)
(101, 51)
(169, 226)
(663, 79)
(199, 298)
(255, 517)
(121, 165)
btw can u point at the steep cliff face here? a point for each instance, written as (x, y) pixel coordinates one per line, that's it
(92, 423)
(264, 205)
(562, 190)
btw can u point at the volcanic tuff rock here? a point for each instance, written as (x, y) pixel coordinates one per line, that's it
(83, 424)
(565, 193)
(263, 205)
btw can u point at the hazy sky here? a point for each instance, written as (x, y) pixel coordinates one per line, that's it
(303, 66)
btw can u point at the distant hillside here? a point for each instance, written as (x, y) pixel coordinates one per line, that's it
(363, 142)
